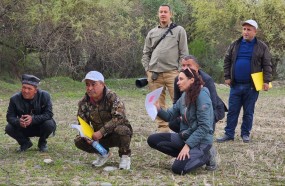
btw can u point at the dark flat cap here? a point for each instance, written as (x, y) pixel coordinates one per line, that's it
(30, 79)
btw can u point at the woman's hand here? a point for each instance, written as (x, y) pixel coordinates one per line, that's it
(184, 153)
(156, 104)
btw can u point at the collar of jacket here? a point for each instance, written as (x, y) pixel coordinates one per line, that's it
(165, 27)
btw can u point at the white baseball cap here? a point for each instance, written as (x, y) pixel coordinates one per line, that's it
(94, 76)
(250, 22)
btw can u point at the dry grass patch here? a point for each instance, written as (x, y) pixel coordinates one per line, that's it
(260, 162)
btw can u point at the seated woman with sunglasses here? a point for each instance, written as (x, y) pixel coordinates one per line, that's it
(192, 144)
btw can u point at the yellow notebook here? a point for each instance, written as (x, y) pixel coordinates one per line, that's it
(87, 130)
(258, 81)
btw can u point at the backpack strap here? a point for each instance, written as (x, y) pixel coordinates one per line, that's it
(171, 26)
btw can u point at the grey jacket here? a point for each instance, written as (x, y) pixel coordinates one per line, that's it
(166, 56)
(260, 61)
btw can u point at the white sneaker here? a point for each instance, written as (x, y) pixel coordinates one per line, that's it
(125, 162)
(101, 160)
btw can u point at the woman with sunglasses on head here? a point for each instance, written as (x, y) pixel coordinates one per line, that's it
(192, 144)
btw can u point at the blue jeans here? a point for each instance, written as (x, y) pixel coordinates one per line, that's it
(241, 95)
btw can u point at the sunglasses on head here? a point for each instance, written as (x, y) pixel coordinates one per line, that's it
(188, 72)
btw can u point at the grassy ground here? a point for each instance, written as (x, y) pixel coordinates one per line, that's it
(260, 162)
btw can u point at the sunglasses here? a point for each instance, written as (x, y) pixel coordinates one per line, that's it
(188, 72)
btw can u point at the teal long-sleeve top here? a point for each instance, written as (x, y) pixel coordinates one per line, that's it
(196, 125)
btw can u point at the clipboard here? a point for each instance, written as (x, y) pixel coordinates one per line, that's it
(84, 129)
(258, 81)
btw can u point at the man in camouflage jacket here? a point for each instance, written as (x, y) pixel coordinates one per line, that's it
(101, 108)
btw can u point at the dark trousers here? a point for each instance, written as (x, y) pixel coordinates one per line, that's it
(21, 135)
(241, 95)
(171, 144)
(174, 125)
(121, 137)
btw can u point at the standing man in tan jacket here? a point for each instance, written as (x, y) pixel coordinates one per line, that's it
(165, 46)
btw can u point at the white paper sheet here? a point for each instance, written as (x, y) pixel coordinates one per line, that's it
(150, 99)
(78, 127)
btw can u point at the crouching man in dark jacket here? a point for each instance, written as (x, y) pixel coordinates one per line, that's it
(30, 114)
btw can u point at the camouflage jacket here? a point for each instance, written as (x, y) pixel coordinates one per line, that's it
(106, 114)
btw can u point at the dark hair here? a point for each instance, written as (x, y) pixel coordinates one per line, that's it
(193, 92)
(186, 58)
(170, 9)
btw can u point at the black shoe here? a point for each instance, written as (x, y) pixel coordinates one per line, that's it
(245, 139)
(224, 139)
(211, 165)
(43, 148)
(25, 146)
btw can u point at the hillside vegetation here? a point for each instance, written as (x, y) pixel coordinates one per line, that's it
(70, 37)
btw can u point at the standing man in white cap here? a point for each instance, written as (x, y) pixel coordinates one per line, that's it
(244, 56)
(30, 114)
(105, 112)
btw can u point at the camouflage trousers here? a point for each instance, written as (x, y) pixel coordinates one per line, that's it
(121, 137)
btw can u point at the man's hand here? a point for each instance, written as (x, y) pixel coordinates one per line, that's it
(97, 135)
(25, 121)
(89, 141)
(184, 153)
(228, 82)
(265, 86)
